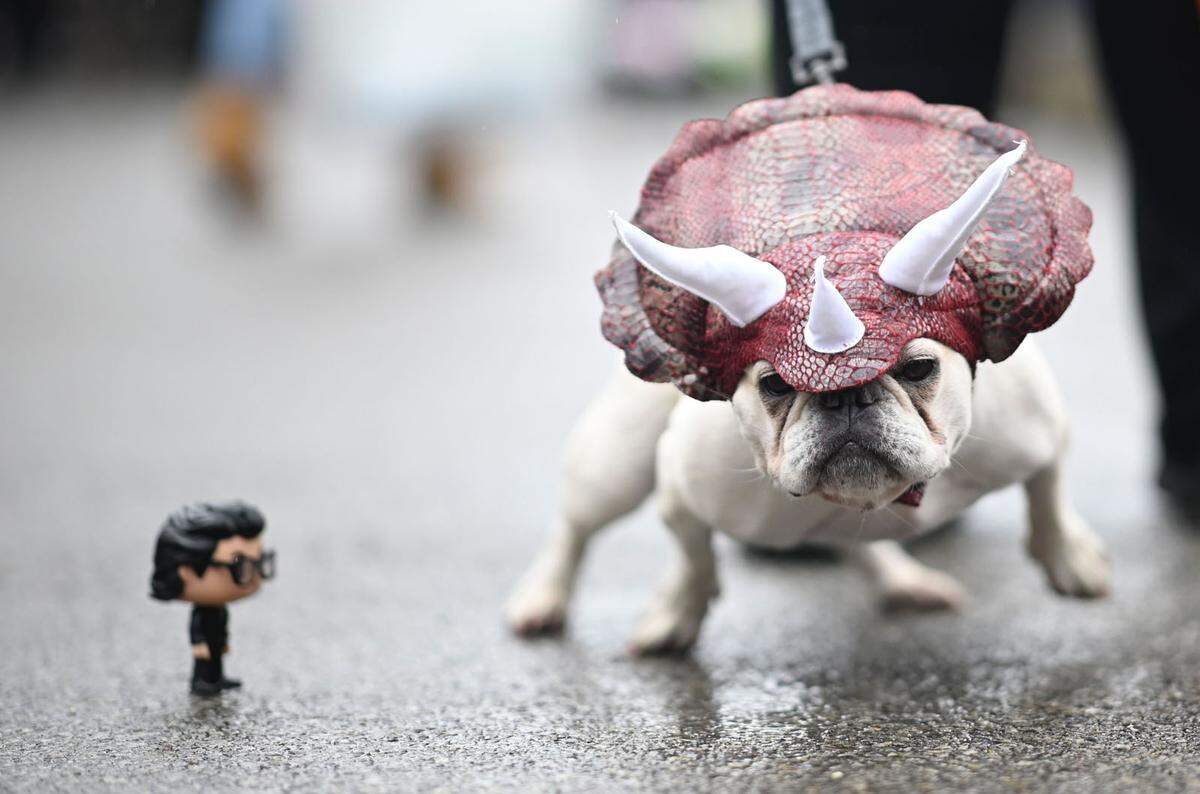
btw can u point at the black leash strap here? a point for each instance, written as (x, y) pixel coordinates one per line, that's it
(816, 54)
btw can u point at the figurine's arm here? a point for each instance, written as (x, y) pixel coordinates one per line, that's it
(225, 630)
(196, 635)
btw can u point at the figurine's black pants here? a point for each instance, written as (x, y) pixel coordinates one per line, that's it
(950, 50)
(210, 626)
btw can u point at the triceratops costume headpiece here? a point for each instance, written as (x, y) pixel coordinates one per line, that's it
(824, 231)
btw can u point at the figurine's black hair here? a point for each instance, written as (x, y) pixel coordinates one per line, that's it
(190, 535)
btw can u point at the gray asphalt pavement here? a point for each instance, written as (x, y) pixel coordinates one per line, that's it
(393, 390)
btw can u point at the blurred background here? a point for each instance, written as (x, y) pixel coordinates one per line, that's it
(336, 259)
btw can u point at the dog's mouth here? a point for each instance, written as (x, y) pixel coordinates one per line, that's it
(851, 457)
(859, 472)
(860, 469)
(913, 496)
(856, 461)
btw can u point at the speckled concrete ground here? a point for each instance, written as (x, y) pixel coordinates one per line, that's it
(393, 392)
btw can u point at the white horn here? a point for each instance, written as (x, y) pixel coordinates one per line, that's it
(922, 260)
(832, 326)
(736, 283)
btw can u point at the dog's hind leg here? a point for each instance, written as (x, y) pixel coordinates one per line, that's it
(906, 583)
(608, 472)
(1075, 559)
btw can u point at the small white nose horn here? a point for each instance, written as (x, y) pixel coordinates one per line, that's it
(832, 326)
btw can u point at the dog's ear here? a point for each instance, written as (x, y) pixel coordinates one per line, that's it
(660, 326)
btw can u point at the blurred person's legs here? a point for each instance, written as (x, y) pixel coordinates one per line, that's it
(945, 51)
(241, 51)
(1151, 58)
(23, 25)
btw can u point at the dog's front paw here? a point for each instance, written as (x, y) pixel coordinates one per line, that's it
(1076, 563)
(672, 623)
(537, 606)
(922, 589)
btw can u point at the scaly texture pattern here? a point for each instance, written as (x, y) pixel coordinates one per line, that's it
(845, 173)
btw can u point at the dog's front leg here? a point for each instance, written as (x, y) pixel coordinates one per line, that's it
(539, 603)
(609, 472)
(906, 583)
(672, 622)
(1074, 557)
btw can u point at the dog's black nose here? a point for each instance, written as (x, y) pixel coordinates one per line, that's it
(852, 401)
(832, 400)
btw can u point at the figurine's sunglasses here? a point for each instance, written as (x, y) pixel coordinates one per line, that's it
(242, 568)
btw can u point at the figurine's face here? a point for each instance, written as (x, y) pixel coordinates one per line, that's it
(863, 447)
(216, 586)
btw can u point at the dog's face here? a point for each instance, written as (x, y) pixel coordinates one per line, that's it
(863, 447)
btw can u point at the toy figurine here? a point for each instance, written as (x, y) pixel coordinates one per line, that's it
(210, 555)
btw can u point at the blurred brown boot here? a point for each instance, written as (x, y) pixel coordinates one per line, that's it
(229, 126)
(445, 169)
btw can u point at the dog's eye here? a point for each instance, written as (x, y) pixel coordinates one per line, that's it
(918, 369)
(774, 386)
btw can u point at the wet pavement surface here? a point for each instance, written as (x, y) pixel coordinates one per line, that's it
(393, 391)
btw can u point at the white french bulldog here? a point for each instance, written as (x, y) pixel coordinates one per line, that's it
(835, 461)
(833, 466)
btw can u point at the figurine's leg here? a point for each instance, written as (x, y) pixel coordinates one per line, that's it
(1075, 559)
(609, 471)
(673, 620)
(206, 679)
(206, 658)
(906, 583)
(221, 634)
